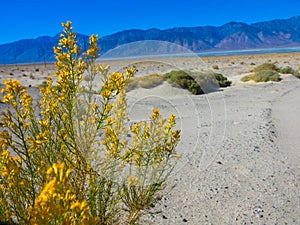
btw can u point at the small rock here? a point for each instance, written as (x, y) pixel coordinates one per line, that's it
(184, 220)
(164, 217)
(260, 215)
(256, 148)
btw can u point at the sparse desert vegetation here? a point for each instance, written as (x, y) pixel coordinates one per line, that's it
(148, 81)
(262, 76)
(184, 80)
(196, 82)
(289, 70)
(266, 66)
(269, 72)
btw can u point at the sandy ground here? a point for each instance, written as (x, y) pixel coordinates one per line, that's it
(240, 146)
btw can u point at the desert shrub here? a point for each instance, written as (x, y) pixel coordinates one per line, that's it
(197, 82)
(297, 74)
(266, 75)
(215, 67)
(247, 78)
(289, 70)
(210, 81)
(266, 66)
(184, 80)
(148, 81)
(151, 80)
(131, 85)
(262, 76)
(272, 67)
(68, 159)
(222, 80)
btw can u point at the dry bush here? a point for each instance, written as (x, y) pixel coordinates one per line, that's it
(262, 76)
(148, 81)
(215, 67)
(72, 158)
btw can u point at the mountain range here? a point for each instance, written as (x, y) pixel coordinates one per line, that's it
(230, 36)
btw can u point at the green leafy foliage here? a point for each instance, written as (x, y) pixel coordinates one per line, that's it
(182, 79)
(222, 80)
(197, 82)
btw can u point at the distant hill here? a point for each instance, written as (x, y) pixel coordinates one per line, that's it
(32, 50)
(230, 36)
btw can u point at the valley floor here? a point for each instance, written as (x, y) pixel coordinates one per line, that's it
(240, 146)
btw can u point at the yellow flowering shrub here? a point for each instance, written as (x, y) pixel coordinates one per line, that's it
(67, 158)
(56, 204)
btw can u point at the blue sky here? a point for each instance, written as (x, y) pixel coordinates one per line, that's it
(21, 19)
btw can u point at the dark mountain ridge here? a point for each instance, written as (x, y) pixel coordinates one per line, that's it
(230, 36)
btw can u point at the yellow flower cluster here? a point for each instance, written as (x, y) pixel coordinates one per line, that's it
(116, 82)
(10, 167)
(16, 95)
(49, 103)
(11, 185)
(115, 130)
(38, 141)
(153, 142)
(94, 50)
(5, 140)
(57, 204)
(70, 67)
(132, 181)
